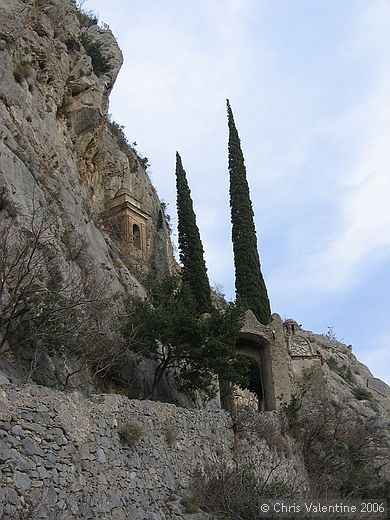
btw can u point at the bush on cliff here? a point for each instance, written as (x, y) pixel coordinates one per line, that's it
(86, 18)
(168, 329)
(343, 453)
(94, 49)
(45, 310)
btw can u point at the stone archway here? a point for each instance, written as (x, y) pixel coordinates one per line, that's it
(267, 346)
(258, 348)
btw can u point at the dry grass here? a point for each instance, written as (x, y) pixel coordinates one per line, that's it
(233, 493)
(170, 433)
(131, 434)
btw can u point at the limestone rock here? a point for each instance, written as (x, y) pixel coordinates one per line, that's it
(59, 151)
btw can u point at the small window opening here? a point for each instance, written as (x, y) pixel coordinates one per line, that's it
(136, 236)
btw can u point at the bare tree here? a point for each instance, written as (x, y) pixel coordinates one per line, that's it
(22, 266)
(46, 309)
(236, 492)
(344, 453)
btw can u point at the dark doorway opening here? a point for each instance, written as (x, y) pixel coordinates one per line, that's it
(136, 236)
(258, 349)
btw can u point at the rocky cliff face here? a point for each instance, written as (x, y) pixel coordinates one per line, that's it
(60, 156)
(342, 377)
(62, 162)
(56, 141)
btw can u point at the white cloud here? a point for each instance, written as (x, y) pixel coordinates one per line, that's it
(182, 60)
(365, 218)
(171, 95)
(371, 28)
(359, 233)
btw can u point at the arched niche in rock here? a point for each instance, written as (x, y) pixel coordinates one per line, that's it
(258, 348)
(266, 345)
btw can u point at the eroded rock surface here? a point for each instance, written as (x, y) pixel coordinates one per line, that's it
(60, 153)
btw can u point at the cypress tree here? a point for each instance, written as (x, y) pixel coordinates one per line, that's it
(250, 286)
(194, 270)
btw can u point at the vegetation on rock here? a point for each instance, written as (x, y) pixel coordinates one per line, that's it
(250, 285)
(45, 311)
(343, 452)
(118, 131)
(86, 18)
(232, 493)
(100, 63)
(130, 434)
(362, 394)
(58, 317)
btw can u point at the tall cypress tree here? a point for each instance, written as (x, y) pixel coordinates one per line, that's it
(250, 286)
(194, 270)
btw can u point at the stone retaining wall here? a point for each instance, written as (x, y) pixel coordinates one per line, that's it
(61, 455)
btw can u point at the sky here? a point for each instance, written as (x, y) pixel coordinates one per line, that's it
(309, 85)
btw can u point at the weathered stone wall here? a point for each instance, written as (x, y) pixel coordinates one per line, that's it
(61, 455)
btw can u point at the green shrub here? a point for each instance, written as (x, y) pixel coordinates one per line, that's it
(86, 18)
(164, 215)
(72, 44)
(3, 199)
(144, 161)
(18, 78)
(118, 132)
(93, 48)
(362, 394)
(130, 434)
(63, 108)
(347, 374)
(342, 370)
(332, 363)
(22, 71)
(195, 348)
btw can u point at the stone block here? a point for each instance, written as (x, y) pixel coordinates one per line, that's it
(22, 481)
(32, 447)
(13, 497)
(22, 463)
(5, 452)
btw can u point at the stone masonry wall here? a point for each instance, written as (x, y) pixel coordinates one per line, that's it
(61, 455)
